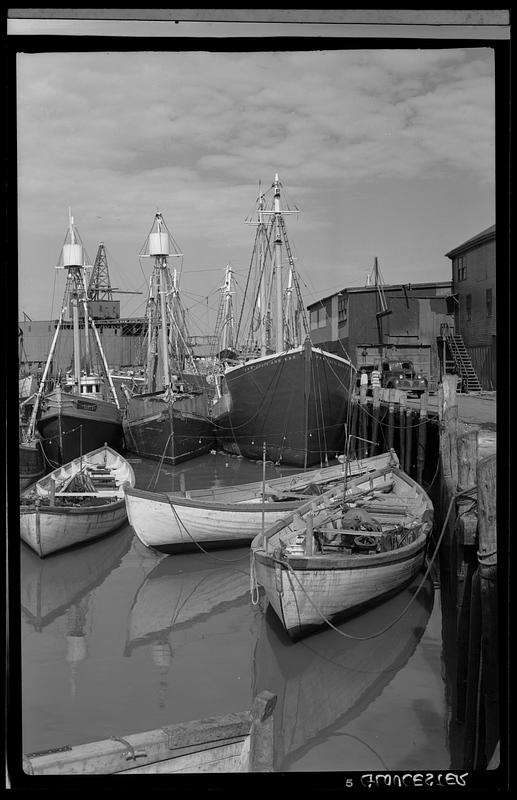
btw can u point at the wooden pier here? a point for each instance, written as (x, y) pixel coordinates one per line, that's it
(455, 461)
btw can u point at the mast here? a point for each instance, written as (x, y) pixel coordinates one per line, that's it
(262, 293)
(228, 321)
(157, 246)
(73, 260)
(280, 339)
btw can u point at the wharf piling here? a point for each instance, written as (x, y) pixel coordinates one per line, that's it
(442, 454)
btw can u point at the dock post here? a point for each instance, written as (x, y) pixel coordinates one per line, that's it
(363, 448)
(261, 756)
(52, 500)
(402, 430)
(353, 427)
(487, 560)
(409, 440)
(422, 438)
(375, 417)
(391, 414)
(448, 417)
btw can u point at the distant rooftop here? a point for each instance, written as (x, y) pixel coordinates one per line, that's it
(387, 287)
(480, 238)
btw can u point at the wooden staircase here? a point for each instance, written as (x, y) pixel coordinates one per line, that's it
(461, 363)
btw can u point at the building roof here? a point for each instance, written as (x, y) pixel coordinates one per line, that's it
(386, 288)
(480, 238)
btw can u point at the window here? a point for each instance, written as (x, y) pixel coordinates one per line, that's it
(341, 308)
(461, 268)
(318, 318)
(489, 302)
(468, 303)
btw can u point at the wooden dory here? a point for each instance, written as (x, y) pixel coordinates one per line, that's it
(234, 515)
(237, 742)
(333, 558)
(77, 502)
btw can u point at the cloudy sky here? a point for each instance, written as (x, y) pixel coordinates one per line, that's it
(387, 153)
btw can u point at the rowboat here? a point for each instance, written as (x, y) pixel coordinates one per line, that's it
(230, 516)
(77, 502)
(235, 742)
(326, 683)
(344, 550)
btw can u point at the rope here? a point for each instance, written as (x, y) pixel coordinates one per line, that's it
(404, 610)
(160, 464)
(182, 525)
(254, 589)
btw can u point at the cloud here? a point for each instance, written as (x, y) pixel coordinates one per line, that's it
(117, 135)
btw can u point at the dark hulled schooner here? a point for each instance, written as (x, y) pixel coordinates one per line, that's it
(279, 390)
(169, 418)
(80, 411)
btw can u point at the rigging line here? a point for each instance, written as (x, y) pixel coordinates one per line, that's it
(411, 601)
(182, 525)
(160, 464)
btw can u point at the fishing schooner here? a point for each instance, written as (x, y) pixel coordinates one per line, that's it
(277, 389)
(168, 419)
(80, 411)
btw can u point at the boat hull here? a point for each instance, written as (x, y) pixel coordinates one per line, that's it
(304, 595)
(70, 425)
(173, 524)
(171, 430)
(295, 402)
(32, 464)
(49, 529)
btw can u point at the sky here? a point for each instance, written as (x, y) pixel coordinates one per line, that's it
(387, 153)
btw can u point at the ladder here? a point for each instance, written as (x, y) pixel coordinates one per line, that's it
(460, 362)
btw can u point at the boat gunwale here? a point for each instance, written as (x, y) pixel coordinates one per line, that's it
(171, 499)
(68, 466)
(348, 562)
(72, 510)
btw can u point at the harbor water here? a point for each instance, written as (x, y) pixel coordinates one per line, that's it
(117, 638)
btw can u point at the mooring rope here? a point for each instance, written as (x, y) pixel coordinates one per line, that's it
(198, 545)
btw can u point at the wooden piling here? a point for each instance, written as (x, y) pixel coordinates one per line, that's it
(376, 409)
(409, 440)
(467, 454)
(261, 757)
(422, 438)
(52, 499)
(391, 414)
(353, 427)
(363, 446)
(448, 417)
(402, 430)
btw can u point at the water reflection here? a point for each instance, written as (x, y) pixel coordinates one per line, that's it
(50, 586)
(329, 679)
(212, 470)
(178, 595)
